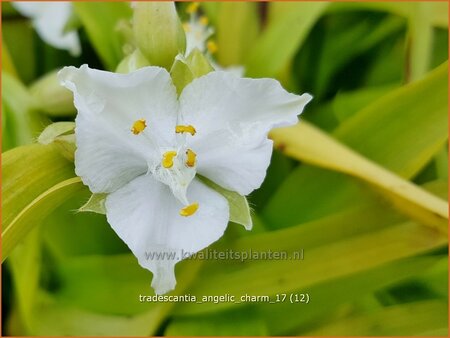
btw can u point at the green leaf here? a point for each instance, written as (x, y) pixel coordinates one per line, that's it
(54, 318)
(406, 319)
(236, 40)
(14, 232)
(326, 152)
(22, 122)
(30, 192)
(386, 132)
(278, 43)
(235, 323)
(438, 11)
(354, 40)
(347, 104)
(20, 38)
(100, 20)
(96, 203)
(421, 40)
(284, 276)
(7, 63)
(25, 264)
(345, 232)
(239, 209)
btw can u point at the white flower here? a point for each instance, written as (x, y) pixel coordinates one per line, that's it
(49, 18)
(144, 146)
(198, 33)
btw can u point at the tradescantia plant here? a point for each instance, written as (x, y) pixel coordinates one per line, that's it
(145, 148)
(122, 162)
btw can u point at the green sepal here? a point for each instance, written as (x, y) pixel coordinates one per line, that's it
(184, 70)
(198, 63)
(132, 62)
(61, 134)
(239, 208)
(181, 74)
(96, 203)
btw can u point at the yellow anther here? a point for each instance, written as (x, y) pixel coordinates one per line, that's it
(189, 210)
(203, 20)
(185, 129)
(191, 156)
(167, 159)
(138, 126)
(192, 8)
(212, 46)
(186, 27)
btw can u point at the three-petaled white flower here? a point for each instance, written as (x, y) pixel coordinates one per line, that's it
(144, 146)
(49, 18)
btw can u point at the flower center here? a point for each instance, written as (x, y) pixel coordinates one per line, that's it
(177, 166)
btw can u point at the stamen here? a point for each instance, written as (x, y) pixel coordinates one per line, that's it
(203, 20)
(185, 129)
(189, 210)
(138, 126)
(167, 160)
(212, 46)
(192, 8)
(191, 156)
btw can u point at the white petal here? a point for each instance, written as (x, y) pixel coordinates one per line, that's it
(145, 215)
(108, 154)
(49, 20)
(232, 117)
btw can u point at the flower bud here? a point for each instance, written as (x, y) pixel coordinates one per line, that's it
(50, 97)
(158, 32)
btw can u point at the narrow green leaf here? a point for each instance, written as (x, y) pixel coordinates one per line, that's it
(36, 211)
(236, 40)
(7, 63)
(25, 188)
(385, 132)
(406, 319)
(55, 318)
(282, 38)
(23, 122)
(26, 265)
(327, 153)
(100, 20)
(285, 276)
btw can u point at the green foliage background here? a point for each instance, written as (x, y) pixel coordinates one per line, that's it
(361, 185)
